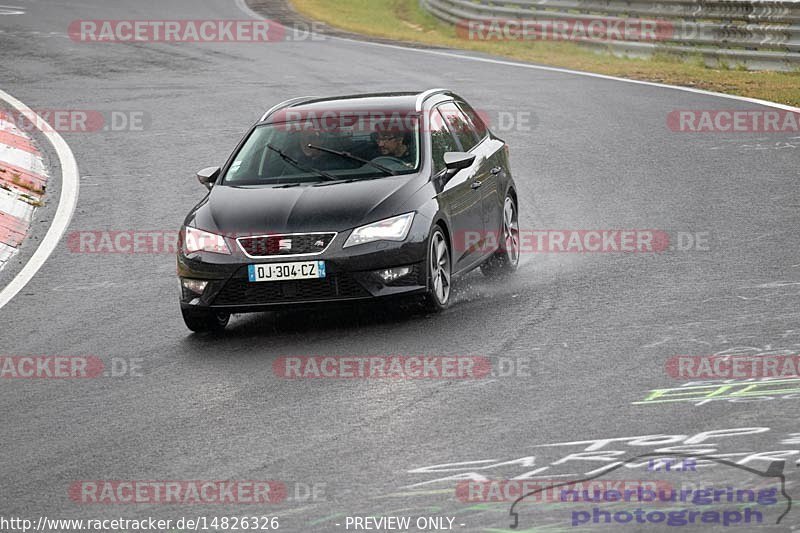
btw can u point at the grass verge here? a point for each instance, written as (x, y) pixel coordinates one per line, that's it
(405, 20)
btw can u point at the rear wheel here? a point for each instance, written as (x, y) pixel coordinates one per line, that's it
(439, 271)
(506, 259)
(203, 321)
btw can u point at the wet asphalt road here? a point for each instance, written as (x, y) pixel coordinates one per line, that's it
(595, 330)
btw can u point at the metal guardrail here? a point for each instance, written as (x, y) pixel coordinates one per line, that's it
(756, 34)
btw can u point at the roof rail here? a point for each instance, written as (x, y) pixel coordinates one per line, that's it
(287, 103)
(427, 94)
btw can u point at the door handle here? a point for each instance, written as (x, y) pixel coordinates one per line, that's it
(497, 170)
(476, 185)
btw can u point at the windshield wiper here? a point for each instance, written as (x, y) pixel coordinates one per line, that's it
(302, 167)
(351, 180)
(348, 155)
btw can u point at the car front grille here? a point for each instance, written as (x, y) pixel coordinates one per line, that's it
(285, 245)
(240, 291)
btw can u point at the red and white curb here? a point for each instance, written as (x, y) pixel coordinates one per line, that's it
(23, 179)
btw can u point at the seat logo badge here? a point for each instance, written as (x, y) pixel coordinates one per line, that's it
(319, 244)
(285, 244)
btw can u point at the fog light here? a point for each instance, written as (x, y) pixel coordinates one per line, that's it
(194, 285)
(389, 275)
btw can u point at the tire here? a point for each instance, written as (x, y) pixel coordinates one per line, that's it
(439, 271)
(205, 321)
(505, 260)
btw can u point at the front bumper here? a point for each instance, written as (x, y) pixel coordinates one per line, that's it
(351, 275)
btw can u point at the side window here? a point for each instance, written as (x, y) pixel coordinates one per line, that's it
(477, 122)
(441, 141)
(460, 126)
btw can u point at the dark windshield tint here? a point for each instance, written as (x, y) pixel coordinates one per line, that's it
(259, 161)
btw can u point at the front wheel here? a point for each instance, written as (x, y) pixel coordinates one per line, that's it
(506, 259)
(204, 321)
(439, 271)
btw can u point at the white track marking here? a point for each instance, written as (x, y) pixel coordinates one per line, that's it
(465, 56)
(66, 204)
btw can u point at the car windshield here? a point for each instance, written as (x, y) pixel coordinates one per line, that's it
(312, 152)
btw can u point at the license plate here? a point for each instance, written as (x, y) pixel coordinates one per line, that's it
(286, 271)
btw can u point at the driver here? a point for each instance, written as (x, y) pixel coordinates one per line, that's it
(395, 144)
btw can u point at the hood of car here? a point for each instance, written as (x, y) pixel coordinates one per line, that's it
(248, 210)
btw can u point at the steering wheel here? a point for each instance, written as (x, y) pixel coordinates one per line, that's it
(390, 162)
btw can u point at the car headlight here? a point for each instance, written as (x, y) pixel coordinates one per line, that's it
(197, 240)
(390, 229)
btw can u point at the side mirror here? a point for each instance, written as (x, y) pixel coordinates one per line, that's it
(208, 176)
(456, 161)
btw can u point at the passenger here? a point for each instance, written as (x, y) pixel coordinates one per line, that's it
(310, 157)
